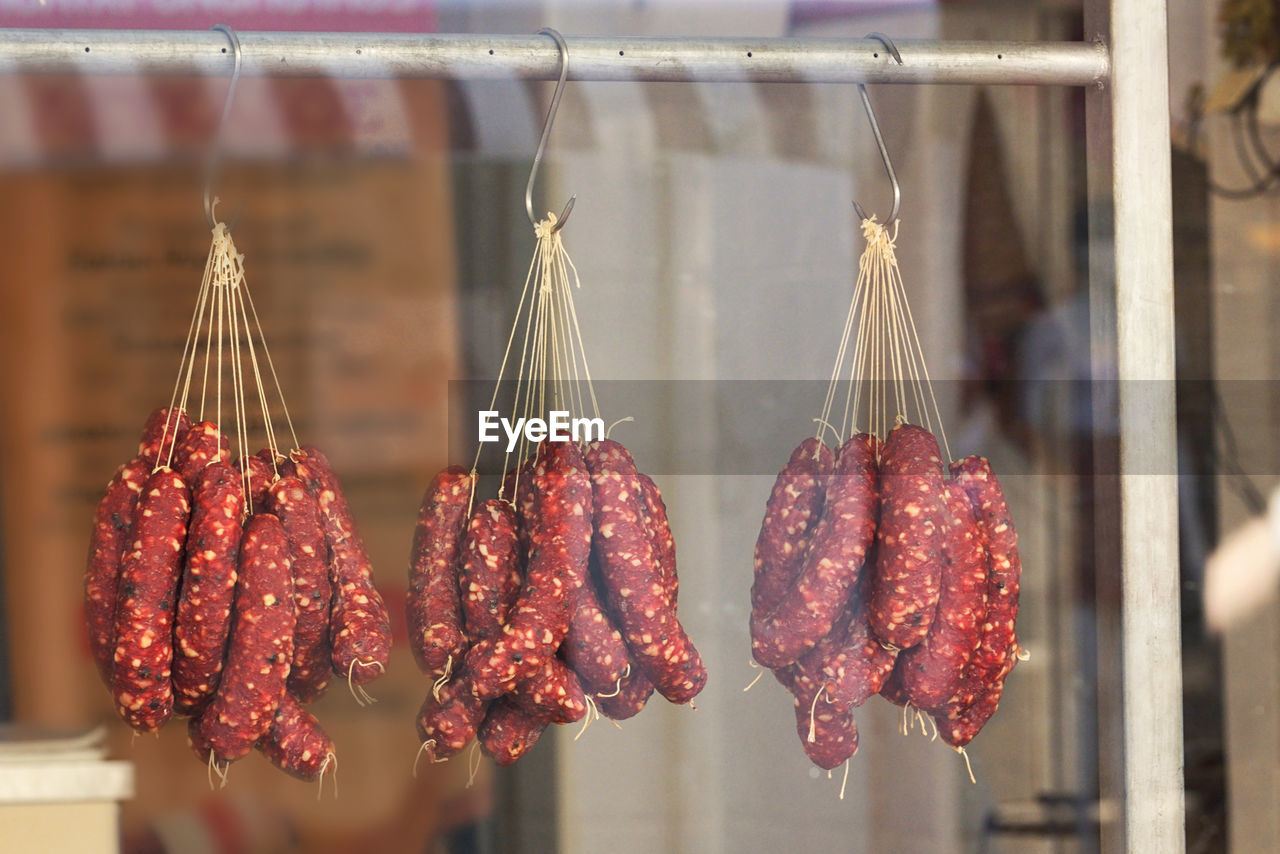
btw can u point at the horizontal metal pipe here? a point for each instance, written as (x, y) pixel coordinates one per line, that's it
(349, 55)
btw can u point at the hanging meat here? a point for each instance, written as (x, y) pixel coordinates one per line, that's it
(230, 593)
(877, 568)
(555, 601)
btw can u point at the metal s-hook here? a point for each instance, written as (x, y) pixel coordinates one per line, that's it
(546, 132)
(211, 164)
(875, 130)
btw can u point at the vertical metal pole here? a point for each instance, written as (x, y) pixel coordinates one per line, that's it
(1107, 742)
(1151, 647)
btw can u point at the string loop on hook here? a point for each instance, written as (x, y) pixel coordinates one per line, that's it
(215, 150)
(875, 130)
(546, 132)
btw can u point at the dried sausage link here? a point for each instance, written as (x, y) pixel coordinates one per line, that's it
(630, 697)
(892, 689)
(560, 544)
(197, 742)
(553, 694)
(908, 573)
(807, 673)
(201, 445)
(594, 647)
(508, 732)
(517, 487)
(999, 640)
(844, 535)
(658, 643)
(958, 725)
(359, 625)
(145, 602)
(979, 696)
(295, 743)
(208, 587)
(835, 733)
(163, 430)
(107, 545)
(489, 576)
(260, 647)
(299, 514)
(449, 719)
(432, 605)
(262, 474)
(859, 663)
(933, 669)
(658, 528)
(790, 517)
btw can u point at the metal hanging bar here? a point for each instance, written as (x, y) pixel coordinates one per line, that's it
(386, 55)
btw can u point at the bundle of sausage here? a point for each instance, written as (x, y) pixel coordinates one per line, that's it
(228, 593)
(558, 595)
(885, 577)
(877, 571)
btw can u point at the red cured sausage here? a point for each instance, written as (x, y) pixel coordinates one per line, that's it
(508, 733)
(295, 743)
(208, 587)
(999, 642)
(658, 528)
(517, 487)
(836, 554)
(196, 741)
(959, 724)
(449, 720)
(359, 625)
(161, 433)
(658, 643)
(107, 544)
(489, 577)
(593, 646)
(145, 602)
(432, 605)
(201, 445)
(835, 732)
(975, 703)
(892, 688)
(807, 674)
(261, 475)
(904, 597)
(260, 646)
(560, 544)
(630, 697)
(299, 514)
(792, 513)
(859, 663)
(553, 694)
(932, 670)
